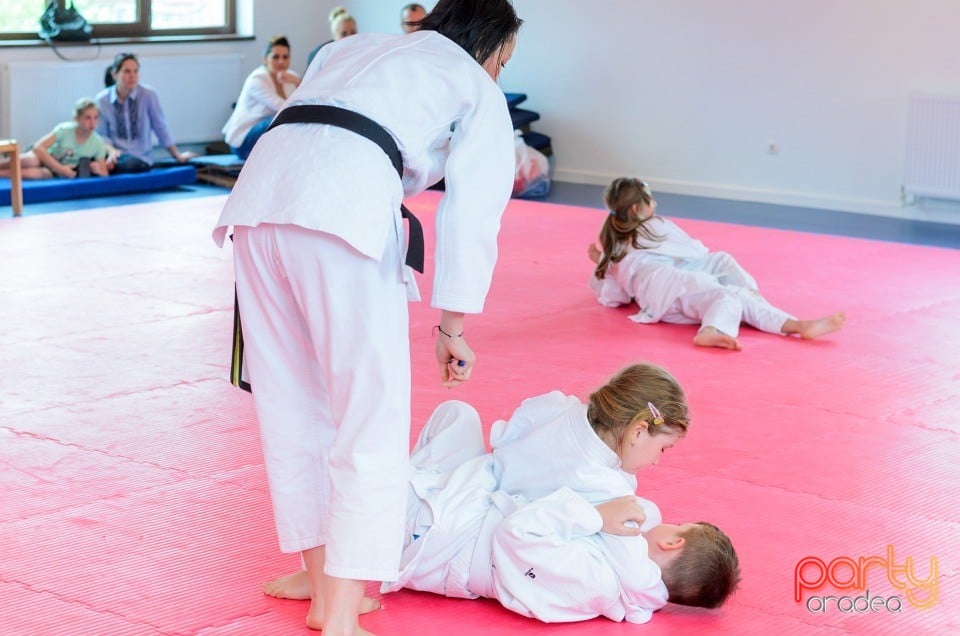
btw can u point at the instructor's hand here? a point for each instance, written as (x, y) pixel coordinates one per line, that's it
(455, 358)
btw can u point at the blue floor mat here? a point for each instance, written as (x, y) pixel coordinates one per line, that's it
(37, 191)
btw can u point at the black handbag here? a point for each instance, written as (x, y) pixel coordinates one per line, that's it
(64, 24)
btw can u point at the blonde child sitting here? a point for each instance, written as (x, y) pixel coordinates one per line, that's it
(58, 154)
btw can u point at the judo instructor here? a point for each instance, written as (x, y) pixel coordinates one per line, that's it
(320, 246)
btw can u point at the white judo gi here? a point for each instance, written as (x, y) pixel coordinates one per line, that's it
(679, 280)
(546, 559)
(322, 289)
(548, 443)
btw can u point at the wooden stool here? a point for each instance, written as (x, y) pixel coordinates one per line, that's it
(9, 146)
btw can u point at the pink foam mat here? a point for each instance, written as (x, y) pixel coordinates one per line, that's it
(134, 499)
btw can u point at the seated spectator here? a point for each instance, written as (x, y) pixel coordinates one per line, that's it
(72, 149)
(342, 25)
(130, 115)
(409, 16)
(263, 93)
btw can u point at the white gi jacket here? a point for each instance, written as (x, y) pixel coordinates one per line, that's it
(547, 444)
(660, 273)
(449, 119)
(551, 562)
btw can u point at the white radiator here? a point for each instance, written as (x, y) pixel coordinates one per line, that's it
(196, 93)
(933, 147)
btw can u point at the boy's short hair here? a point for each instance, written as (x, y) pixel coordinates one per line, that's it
(707, 570)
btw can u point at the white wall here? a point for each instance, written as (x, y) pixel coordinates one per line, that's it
(688, 93)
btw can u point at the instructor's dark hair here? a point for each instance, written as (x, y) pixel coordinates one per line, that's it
(480, 27)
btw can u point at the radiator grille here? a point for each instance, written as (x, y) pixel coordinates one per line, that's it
(933, 147)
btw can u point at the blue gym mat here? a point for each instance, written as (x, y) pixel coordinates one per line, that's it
(37, 191)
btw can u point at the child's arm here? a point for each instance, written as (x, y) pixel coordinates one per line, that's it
(112, 155)
(594, 253)
(41, 150)
(622, 516)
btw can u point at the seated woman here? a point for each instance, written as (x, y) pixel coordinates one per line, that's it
(130, 112)
(263, 93)
(59, 153)
(342, 25)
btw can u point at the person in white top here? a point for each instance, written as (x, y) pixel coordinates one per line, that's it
(263, 94)
(322, 287)
(647, 259)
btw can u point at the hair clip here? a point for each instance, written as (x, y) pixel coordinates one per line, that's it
(612, 212)
(657, 417)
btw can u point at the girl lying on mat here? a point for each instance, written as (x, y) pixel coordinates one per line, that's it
(71, 149)
(674, 278)
(470, 531)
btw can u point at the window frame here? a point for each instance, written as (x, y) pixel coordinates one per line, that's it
(140, 29)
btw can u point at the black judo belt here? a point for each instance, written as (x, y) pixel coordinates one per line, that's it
(365, 127)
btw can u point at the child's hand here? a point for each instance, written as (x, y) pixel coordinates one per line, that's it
(67, 172)
(594, 253)
(622, 516)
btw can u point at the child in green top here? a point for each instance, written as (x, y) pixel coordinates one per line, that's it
(58, 153)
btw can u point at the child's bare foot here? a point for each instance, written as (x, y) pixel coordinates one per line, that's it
(711, 337)
(294, 586)
(810, 329)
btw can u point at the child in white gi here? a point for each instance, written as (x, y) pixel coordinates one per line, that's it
(595, 449)
(547, 559)
(674, 278)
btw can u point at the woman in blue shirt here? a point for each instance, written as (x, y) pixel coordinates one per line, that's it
(129, 113)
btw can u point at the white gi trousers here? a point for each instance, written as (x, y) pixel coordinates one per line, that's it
(327, 350)
(734, 299)
(451, 490)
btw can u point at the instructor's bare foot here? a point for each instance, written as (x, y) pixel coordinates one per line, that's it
(294, 586)
(711, 337)
(315, 614)
(810, 329)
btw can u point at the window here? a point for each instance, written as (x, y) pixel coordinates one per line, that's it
(126, 18)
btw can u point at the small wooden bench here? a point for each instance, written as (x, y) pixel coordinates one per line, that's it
(10, 148)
